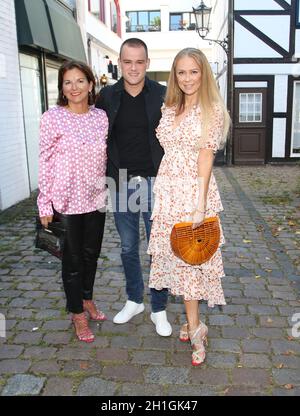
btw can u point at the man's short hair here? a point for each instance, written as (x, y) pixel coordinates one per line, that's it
(134, 43)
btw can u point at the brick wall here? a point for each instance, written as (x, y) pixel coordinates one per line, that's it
(14, 184)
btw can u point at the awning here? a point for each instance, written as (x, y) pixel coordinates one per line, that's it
(33, 25)
(49, 25)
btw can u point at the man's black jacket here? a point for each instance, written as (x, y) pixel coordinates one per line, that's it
(109, 100)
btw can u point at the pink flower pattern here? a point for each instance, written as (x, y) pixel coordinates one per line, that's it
(176, 195)
(72, 162)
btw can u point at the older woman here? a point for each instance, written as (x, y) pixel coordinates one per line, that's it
(72, 186)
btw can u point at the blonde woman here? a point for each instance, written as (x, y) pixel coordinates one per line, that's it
(193, 127)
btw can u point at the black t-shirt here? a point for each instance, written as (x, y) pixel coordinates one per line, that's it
(131, 135)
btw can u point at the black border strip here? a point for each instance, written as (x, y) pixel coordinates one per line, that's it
(297, 7)
(283, 4)
(279, 115)
(268, 41)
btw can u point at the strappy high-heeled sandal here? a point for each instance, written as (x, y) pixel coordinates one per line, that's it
(198, 337)
(183, 333)
(82, 329)
(94, 313)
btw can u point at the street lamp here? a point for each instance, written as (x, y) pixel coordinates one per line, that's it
(202, 18)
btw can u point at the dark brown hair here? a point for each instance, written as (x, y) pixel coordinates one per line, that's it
(134, 43)
(85, 69)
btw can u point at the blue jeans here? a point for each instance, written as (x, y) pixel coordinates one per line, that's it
(133, 199)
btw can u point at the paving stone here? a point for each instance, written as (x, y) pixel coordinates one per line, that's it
(245, 321)
(220, 360)
(286, 376)
(224, 345)
(94, 386)
(268, 333)
(262, 310)
(285, 347)
(39, 353)
(23, 385)
(56, 338)
(31, 338)
(167, 375)
(256, 345)
(58, 386)
(68, 353)
(286, 392)
(222, 320)
(234, 332)
(19, 303)
(273, 321)
(14, 366)
(250, 376)
(191, 391)
(148, 357)
(255, 361)
(126, 342)
(209, 377)
(123, 373)
(158, 343)
(243, 391)
(57, 325)
(10, 351)
(111, 354)
(45, 367)
(82, 367)
(28, 325)
(47, 314)
(286, 361)
(147, 390)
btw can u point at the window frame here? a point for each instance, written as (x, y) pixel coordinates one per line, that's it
(145, 27)
(101, 15)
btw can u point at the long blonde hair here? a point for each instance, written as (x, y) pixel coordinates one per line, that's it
(209, 96)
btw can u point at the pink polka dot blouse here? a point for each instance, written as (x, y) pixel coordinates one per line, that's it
(72, 163)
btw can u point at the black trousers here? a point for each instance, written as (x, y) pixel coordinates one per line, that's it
(84, 234)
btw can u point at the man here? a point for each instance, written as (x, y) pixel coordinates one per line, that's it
(133, 107)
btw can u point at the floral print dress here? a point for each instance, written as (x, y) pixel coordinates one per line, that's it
(176, 192)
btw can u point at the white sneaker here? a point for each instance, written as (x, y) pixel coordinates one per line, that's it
(129, 311)
(162, 326)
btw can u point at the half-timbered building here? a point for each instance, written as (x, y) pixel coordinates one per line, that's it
(266, 82)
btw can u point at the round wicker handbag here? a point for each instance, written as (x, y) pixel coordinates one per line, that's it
(196, 246)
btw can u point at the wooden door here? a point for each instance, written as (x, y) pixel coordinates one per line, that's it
(249, 134)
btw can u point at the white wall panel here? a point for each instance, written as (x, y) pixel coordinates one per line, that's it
(280, 93)
(279, 136)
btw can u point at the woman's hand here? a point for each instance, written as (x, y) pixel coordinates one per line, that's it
(197, 218)
(45, 220)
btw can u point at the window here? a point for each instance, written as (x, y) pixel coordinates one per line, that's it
(182, 21)
(250, 108)
(97, 8)
(295, 145)
(143, 21)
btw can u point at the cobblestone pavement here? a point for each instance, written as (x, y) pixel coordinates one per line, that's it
(252, 350)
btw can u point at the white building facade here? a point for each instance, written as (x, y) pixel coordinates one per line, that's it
(166, 27)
